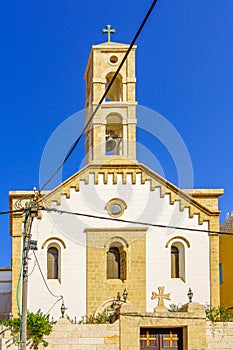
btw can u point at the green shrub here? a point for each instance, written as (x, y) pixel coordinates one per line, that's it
(104, 317)
(219, 314)
(38, 325)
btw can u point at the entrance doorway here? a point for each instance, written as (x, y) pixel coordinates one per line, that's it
(161, 339)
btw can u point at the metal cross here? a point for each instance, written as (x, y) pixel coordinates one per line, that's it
(161, 296)
(109, 31)
(148, 338)
(171, 339)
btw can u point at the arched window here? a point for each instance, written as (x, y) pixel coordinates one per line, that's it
(113, 263)
(174, 262)
(115, 92)
(52, 263)
(116, 262)
(178, 260)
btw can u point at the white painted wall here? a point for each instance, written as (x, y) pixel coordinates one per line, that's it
(143, 205)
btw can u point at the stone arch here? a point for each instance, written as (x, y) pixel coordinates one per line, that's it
(107, 304)
(177, 238)
(116, 239)
(116, 91)
(53, 239)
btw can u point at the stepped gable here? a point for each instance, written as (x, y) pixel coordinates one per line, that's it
(187, 198)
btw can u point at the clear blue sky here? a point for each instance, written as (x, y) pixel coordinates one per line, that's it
(184, 71)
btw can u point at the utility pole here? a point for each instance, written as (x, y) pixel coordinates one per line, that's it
(31, 211)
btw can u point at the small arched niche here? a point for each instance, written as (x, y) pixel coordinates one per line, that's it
(115, 92)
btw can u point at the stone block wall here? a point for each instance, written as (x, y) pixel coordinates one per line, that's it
(219, 336)
(67, 336)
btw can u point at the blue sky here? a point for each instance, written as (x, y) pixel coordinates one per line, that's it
(184, 71)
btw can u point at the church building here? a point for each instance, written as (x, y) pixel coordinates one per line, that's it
(122, 242)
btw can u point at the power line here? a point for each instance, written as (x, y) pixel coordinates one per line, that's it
(12, 211)
(61, 298)
(136, 222)
(122, 220)
(104, 95)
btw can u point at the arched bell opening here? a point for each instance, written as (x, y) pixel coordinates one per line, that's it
(115, 92)
(113, 135)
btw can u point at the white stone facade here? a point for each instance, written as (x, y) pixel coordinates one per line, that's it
(143, 205)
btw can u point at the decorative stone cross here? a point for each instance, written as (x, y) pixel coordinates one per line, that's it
(161, 296)
(109, 31)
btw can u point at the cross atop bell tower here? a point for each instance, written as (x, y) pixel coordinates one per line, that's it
(109, 31)
(112, 131)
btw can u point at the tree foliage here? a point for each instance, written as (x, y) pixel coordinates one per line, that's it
(38, 325)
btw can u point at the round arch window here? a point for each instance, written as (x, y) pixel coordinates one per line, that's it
(113, 59)
(116, 207)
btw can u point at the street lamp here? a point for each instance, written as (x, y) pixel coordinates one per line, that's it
(63, 309)
(190, 295)
(125, 294)
(118, 299)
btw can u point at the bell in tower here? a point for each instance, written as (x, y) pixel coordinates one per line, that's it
(112, 130)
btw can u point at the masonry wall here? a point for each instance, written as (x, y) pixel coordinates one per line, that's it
(219, 335)
(67, 336)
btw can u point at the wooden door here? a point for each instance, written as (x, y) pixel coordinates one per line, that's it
(161, 339)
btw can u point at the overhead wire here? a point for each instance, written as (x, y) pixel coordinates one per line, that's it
(54, 295)
(61, 298)
(73, 148)
(104, 95)
(135, 222)
(12, 211)
(83, 132)
(121, 220)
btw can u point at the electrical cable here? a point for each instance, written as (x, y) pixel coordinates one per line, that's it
(12, 211)
(37, 262)
(103, 97)
(136, 222)
(17, 289)
(61, 298)
(30, 273)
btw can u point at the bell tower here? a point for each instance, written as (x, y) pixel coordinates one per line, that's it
(112, 132)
